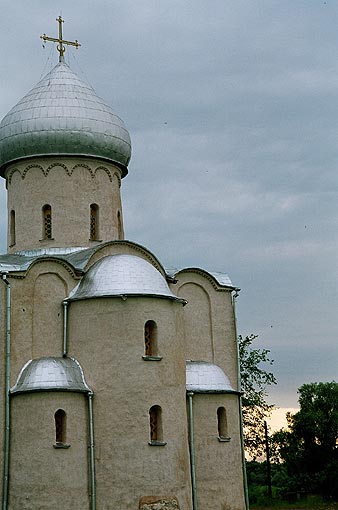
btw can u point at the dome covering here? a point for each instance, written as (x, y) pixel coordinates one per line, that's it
(51, 374)
(204, 377)
(122, 275)
(62, 115)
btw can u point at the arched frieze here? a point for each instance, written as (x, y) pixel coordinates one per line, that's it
(105, 170)
(30, 167)
(86, 167)
(118, 177)
(11, 173)
(53, 165)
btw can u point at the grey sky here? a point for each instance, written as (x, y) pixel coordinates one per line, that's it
(232, 110)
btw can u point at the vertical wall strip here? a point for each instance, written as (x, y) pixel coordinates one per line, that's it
(239, 388)
(92, 452)
(192, 451)
(7, 388)
(65, 315)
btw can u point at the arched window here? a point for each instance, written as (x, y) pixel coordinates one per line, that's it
(12, 228)
(155, 423)
(47, 222)
(60, 426)
(222, 424)
(150, 338)
(119, 226)
(94, 222)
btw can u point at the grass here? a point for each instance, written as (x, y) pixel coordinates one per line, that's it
(309, 503)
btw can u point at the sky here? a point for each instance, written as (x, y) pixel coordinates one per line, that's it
(232, 111)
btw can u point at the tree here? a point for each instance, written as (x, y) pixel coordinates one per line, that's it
(254, 381)
(309, 447)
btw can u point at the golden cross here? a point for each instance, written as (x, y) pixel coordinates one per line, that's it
(60, 47)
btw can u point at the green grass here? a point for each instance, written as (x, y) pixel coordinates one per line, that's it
(309, 503)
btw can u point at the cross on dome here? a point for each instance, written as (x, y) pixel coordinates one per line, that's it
(60, 47)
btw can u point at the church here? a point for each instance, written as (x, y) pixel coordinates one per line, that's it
(119, 379)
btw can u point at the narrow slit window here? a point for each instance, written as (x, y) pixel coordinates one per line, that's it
(47, 222)
(222, 424)
(150, 338)
(12, 228)
(94, 222)
(60, 426)
(119, 226)
(155, 422)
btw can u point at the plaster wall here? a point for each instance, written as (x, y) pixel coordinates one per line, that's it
(107, 337)
(41, 476)
(208, 322)
(218, 464)
(37, 315)
(69, 186)
(2, 374)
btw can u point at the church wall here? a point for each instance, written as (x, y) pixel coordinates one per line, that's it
(107, 337)
(209, 327)
(69, 186)
(2, 372)
(219, 474)
(37, 315)
(41, 476)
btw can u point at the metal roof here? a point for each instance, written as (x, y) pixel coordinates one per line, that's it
(122, 275)
(204, 377)
(62, 115)
(51, 374)
(222, 279)
(78, 258)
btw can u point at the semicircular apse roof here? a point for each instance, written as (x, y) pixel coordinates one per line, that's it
(62, 115)
(122, 275)
(204, 377)
(51, 374)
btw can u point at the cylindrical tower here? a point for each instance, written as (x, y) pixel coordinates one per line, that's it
(63, 153)
(124, 327)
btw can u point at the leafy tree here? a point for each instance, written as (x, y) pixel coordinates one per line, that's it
(309, 447)
(254, 381)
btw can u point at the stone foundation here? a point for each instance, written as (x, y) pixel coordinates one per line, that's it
(159, 503)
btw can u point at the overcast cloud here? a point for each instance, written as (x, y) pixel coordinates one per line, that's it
(232, 110)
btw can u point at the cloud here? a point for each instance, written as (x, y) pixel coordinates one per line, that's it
(232, 114)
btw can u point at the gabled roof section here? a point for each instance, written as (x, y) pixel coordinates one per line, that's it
(219, 280)
(79, 259)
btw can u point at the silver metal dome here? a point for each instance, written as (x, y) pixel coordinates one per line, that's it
(122, 275)
(62, 115)
(204, 377)
(51, 374)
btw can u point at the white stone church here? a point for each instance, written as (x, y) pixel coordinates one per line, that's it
(119, 384)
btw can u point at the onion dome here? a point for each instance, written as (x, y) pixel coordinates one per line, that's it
(204, 377)
(122, 275)
(62, 115)
(51, 374)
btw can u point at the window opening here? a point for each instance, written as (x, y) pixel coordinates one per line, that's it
(222, 424)
(94, 222)
(155, 422)
(12, 228)
(150, 338)
(60, 426)
(47, 222)
(119, 226)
